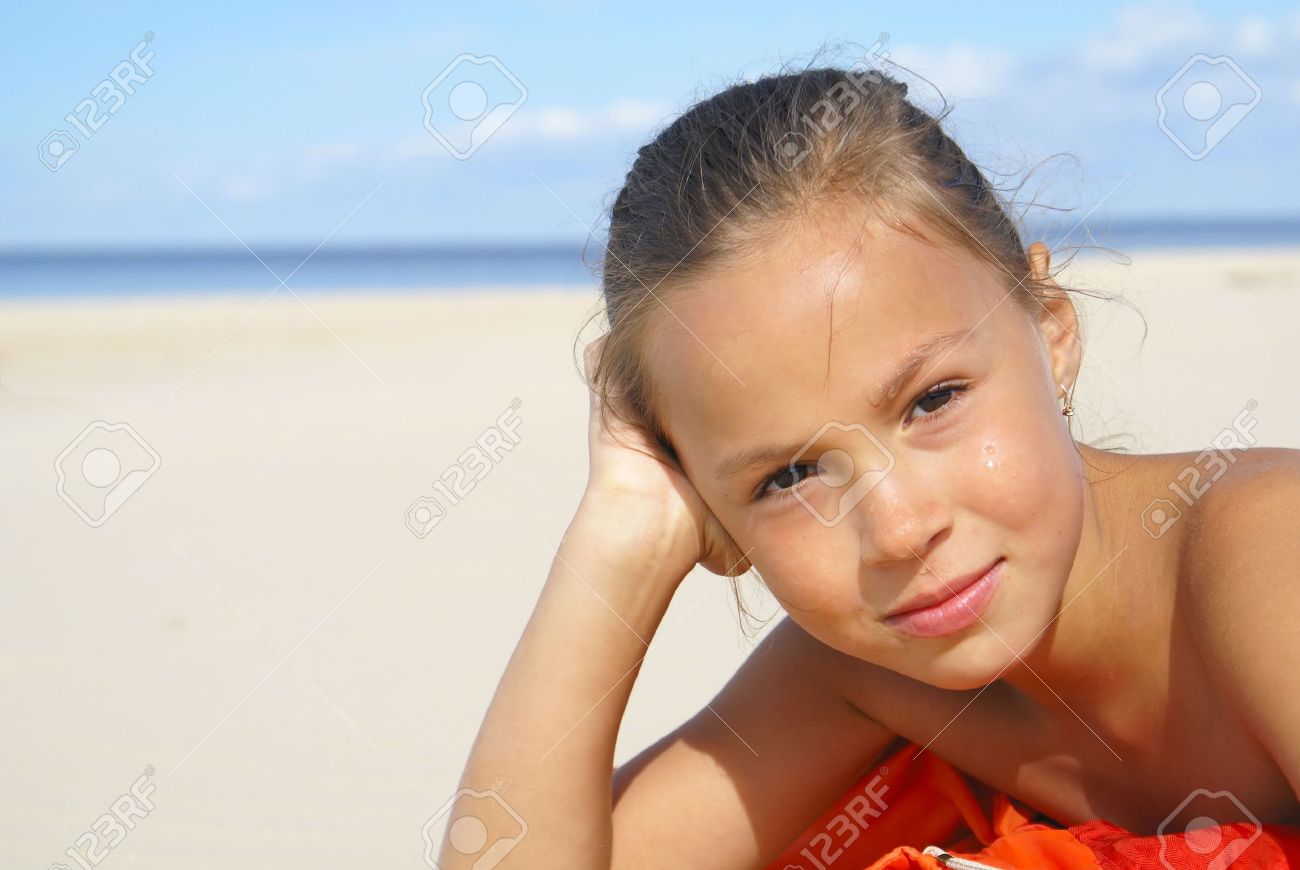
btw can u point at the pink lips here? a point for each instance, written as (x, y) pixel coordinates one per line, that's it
(953, 613)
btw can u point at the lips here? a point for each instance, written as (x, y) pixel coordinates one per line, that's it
(944, 592)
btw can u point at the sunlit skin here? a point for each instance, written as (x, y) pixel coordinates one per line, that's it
(985, 468)
(755, 357)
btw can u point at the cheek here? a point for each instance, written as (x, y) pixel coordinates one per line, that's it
(1023, 475)
(1026, 459)
(807, 567)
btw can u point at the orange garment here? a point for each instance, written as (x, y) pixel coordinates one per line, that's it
(908, 802)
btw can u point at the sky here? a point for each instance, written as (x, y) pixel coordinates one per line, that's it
(293, 123)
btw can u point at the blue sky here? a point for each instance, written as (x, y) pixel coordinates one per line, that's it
(287, 121)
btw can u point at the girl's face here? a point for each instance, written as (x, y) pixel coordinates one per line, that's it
(855, 490)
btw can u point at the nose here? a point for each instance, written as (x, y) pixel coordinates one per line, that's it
(903, 517)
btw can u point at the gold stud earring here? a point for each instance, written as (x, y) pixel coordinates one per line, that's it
(1068, 409)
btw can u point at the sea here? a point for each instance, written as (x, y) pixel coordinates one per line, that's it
(432, 268)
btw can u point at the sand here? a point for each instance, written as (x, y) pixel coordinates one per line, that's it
(257, 625)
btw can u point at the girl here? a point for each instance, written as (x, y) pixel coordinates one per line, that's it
(832, 358)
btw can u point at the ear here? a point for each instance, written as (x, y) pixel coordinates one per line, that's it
(1057, 320)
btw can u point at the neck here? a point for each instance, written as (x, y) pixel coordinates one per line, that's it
(1092, 662)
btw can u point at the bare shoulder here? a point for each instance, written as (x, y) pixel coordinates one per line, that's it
(1239, 591)
(1247, 516)
(735, 783)
(1240, 544)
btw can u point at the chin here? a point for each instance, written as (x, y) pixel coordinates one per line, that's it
(1011, 629)
(966, 667)
(973, 663)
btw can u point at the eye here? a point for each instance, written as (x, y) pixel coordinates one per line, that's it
(933, 403)
(785, 479)
(936, 401)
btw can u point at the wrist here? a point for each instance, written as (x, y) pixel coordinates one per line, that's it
(631, 529)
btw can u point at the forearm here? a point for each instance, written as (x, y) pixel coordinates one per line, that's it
(546, 745)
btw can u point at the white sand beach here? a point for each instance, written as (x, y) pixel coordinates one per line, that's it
(257, 624)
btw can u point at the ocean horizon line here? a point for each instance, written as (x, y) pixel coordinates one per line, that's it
(183, 269)
(1127, 226)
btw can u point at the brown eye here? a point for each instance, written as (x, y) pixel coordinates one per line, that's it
(936, 401)
(787, 478)
(931, 402)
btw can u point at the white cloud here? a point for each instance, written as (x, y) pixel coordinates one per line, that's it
(318, 156)
(1255, 37)
(1141, 33)
(959, 71)
(418, 145)
(557, 124)
(1093, 83)
(635, 115)
(563, 123)
(244, 188)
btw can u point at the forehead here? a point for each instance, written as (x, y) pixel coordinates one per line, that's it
(813, 325)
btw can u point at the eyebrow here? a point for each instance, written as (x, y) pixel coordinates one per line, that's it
(918, 356)
(906, 369)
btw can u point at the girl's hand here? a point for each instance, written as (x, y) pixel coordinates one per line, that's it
(645, 500)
